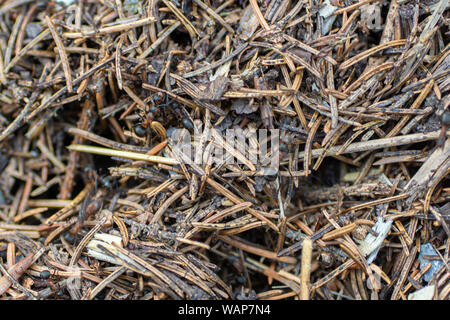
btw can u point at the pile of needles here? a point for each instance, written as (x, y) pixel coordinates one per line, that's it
(98, 201)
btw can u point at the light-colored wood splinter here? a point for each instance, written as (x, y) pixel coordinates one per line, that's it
(306, 268)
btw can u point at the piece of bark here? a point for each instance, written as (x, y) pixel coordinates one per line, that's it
(430, 172)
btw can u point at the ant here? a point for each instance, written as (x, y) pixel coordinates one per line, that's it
(445, 122)
(158, 98)
(160, 102)
(99, 178)
(183, 116)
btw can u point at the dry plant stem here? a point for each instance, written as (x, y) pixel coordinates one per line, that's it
(74, 291)
(170, 95)
(185, 21)
(216, 64)
(106, 30)
(68, 183)
(51, 156)
(231, 150)
(77, 200)
(156, 149)
(375, 202)
(170, 200)
(376, 144)
(13, 38)
(113, 276)
(254, 250)
(306, 268)
(333, 101)
(213, 14)
(27, 48)
(403, 274)
(123, 154)
(339, 232)
(350, 62)
(259, 15)
(135, 97)
(62, 54)
(117, 58)
(309, 141)
(27, 213)
(417, 103)
(160, 40)
(25, 194)
(353, 6)
(333, 274)
(437, 163)
(107, 142)
(236, 200)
